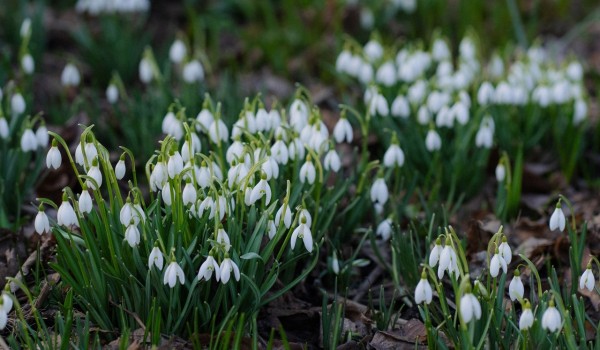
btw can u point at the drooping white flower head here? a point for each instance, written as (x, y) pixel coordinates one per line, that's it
(287, 215)
(41, 223)
(516, 289)
(504, 250)
(25, 29)
(95, 174)
(470, 308)
(85, 202)
(193, 72)
(4, 129)
(342, 132)
(120, 169)
(228, 266)
(400, 107)
(17, 104)
(132, 235)
(175, 164)
(28, 64)
(66, 215)
(41, 134)
(28, 141)
(155, 258)
(379, 191)
(587, 279)
(448, 261)
(500, 172)
(90, 154)
(261, 189)
(373, 50)
(145, 70)
(393, 156)
(173, 273)
(496, 263)
(436, 251)
(558, 220)
(70, 76)
(384, 229)
(332, 161)
(177, 51)
(551, 320)
(440, 50)
(527, 318)
(218, 131)
(433, 141)
(271, 229)
(308, 172)
(303, 232)
(189, 193)
(423, 292)
(112, 93)
(207, 268)
(485, 135)
(386, 74)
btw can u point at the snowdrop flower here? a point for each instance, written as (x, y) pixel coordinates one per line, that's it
(394, 156)
(423, 292)
(207, 268)
(500, 172)
(6, 305)
(95, 174)
(516, 290)
(70, 76)
(41, 223)
(132, 236)
(120, 168)
(384, 229)
(4, 129)
(303, 232)
(90, 153)
(41, 135)
(207, 204)
(218, 131)
(433, 141)
(343, 61)
(25, 29)
(204, 120)
(17, 104)
(155, 258)
(526, 320)
(263, 122)
(332, 161)
(287, 216)
(496, 263)
(308, 172)
(172, 274)
(175, 164)
(343, 131)
(299, 113)
(189, 194)
(440, 50)
(261, 189)
(400, 107)
(193, 72)
(131, 212)
(460, 112)
(172, 126)
(145, 70)
(28, 141)
(112, 94)
(496, 66)
(227, 266)
(379, 191)
(271, 229)
(551, 320)
(423, 116)
(379, 105)
(386, 74)
(448, 261)
(504, 251)
(27, 64)
(557, 220)
(434, 256)
(580, 111)
(417, 92)
(177, 51)
(66, 215)
(166, 194)
(469, 307)
(373, 50)
(85, 201)
(279, 152)
(223, 239)
(485, 135)
(587, 279)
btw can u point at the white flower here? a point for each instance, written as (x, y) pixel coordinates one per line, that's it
(335, 264)
(112, 94)
(41, 223)
(85, 202)
(469, 307)
(96, 175)
(440, 50)
(379, 105)
(394, 156)
(260, 190)
(120, 169)
(400, 107)
(131, 212)
(343, 61)
(218, 131)
(66, 215)
(287, 217)
(172, 273)
(296, 149)
(279, 152)
(155, 258)
(557, 220)
(174, 165)
(551, 320)
(303, 232)
(28, 64)
(145, 70)
(177, 51)
(223, 239)
(434, 256)
(516, 290)
(485, 135)
(17, 104)
(166, 194)
(580, 111)
(423, 292)
(41, 134)
(207, 268)
(271, 229)
(526, 320)
(384, 229)
(343, 131)
(25, 29)
(4, 130)
(505, 251)
(423, 115)
(379, 191)
(6, 303)
(189, 194)
(448, 261)
(373, 50)
(132, 235)
(332, 161)
(495, 264)
(263, 122)
(308, 172)
(204, 120)
(500, 172)
(587, 279)
(206, 204)
(485, 94)
(28, 141)
(193, 72)
(226, 267)
(433, 142)
(70, 76)
(386, 74)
